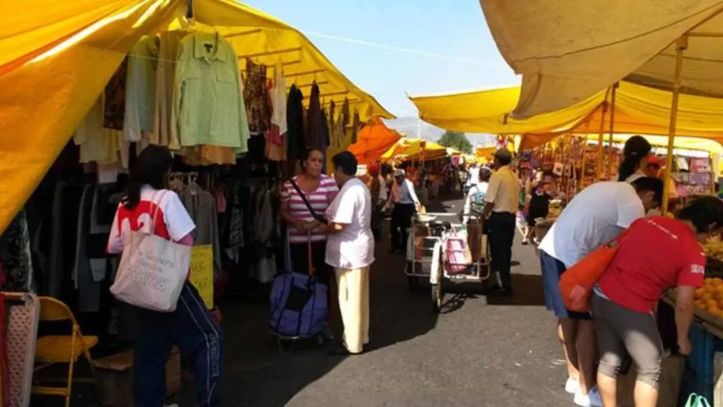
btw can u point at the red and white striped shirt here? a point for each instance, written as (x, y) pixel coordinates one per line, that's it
(319, 200)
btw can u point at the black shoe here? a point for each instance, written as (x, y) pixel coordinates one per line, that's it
(498, 291)
(338, 349)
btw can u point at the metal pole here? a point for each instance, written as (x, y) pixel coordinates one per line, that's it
(612, 131)
(600, 140)
(681, 46)
(189, 9)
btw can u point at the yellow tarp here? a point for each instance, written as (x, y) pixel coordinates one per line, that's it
(373, 140)
(408, 149)
(57, 56)
(638, 109)
(567, 53)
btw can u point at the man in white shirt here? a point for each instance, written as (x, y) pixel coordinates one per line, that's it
(350, 250)
(501, 202)
(594, 217)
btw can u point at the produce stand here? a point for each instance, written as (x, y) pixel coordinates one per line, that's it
(706, 336)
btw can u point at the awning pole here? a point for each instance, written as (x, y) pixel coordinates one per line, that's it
(612, 131)
(681, 46)
(600, 140)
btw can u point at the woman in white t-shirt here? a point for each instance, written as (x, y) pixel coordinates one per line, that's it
(350, 250)
(147, 206)
(635, 159)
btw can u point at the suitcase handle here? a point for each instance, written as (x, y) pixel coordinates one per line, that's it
(309, 253)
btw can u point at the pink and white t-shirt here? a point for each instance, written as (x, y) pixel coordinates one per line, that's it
(319, 200)
(172, 220)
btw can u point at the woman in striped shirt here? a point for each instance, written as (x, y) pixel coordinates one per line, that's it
(318, 191)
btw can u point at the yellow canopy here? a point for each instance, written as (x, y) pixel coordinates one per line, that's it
(681, 143)
(408, 149)
(638, 109)
(568, 54)
(57, 56)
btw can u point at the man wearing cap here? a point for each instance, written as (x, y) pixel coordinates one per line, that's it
(406, 203)
(501, 201)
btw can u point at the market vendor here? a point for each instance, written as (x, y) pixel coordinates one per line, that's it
(656, 254)
(634, 159)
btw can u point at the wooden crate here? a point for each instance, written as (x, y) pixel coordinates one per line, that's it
(114, 378)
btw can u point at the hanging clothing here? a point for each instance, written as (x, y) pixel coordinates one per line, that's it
(324, 132)
(115, 98)
(344, 121)
(278, 100)
(332, 125)
(82, 274)
(140, 95)
(275, 137)
(256, 97)
(201, 205)
(16, 256)
(208, 108)
(295, 138)
(165, 132)
(314, 136)
(355, 127)
(209, 155)
(97, 143)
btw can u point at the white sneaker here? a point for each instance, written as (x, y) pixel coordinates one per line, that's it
(592, 399)
(572, 385)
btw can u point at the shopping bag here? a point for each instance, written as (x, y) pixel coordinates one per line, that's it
(577, 282)
(152, 271)
(696, 400)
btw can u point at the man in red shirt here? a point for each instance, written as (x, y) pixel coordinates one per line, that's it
(655, 254)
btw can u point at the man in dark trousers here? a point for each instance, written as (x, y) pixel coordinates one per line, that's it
(501, 202)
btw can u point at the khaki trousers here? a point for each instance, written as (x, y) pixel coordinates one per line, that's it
(353, 287)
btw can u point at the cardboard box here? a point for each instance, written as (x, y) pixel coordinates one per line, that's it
(114, 378)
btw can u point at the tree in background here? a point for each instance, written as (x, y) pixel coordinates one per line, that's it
(456, 140)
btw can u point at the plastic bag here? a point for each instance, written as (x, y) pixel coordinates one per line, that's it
(696, 400)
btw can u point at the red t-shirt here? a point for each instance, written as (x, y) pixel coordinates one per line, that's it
(656, 254)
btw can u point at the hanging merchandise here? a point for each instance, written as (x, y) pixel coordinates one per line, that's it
(16, 257)
(115, 98)
(313, 120)
(201, 205)
(275, 145)
(344, 121)
(356, 126)
(333, 128)
(256, 96)
(140, 94)
(165, 132)
(97, 143)
(208, 107)
(295, 136)
(208, 155)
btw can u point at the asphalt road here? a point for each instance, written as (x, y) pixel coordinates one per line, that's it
(479, 351)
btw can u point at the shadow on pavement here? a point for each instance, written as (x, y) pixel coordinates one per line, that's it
(527, 291)
(256, 373)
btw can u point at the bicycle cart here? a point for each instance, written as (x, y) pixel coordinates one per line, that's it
(426, 230)
(460, 255)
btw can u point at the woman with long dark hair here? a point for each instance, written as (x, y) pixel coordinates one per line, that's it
(149, 206)
(635, 159)
(305, 198)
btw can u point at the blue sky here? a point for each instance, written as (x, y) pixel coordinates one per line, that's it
(456, 49)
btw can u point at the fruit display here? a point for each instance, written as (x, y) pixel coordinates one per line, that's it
(713, 248)
(709, 297)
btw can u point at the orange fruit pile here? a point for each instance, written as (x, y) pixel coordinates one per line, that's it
(709, 297)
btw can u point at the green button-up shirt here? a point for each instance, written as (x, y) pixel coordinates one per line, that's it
(208, 104)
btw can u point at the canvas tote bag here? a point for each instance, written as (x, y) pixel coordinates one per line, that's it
(152, 270)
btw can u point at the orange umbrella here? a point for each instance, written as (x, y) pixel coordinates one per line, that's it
(373, 140)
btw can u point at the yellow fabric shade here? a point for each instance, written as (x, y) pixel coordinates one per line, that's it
(56, 57)
(567, 54)
(638, 109)
(415, 149)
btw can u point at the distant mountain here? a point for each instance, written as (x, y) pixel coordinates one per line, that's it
(411, 126)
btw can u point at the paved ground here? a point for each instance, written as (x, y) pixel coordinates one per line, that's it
(480, 351)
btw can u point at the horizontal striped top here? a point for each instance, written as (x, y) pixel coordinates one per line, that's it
(319, 200)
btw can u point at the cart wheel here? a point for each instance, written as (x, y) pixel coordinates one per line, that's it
(437, 296)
